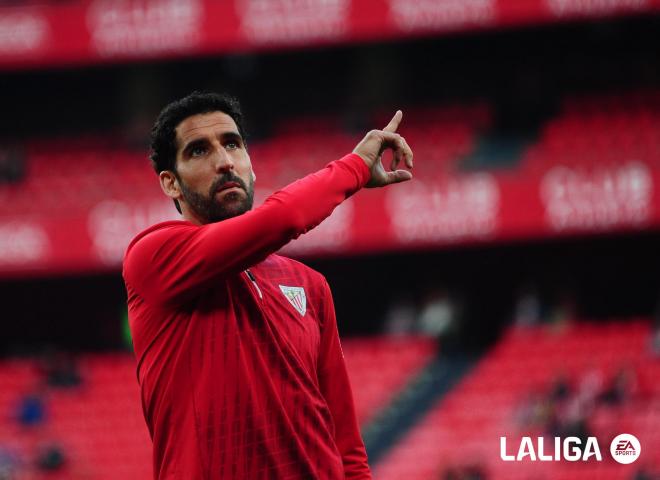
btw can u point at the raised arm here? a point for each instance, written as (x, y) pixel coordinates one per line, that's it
(175, 262)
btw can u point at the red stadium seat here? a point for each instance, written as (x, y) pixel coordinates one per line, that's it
(80, 173)
(467, 423)
(101, 426)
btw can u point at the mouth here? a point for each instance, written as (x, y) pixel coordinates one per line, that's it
(227, 186)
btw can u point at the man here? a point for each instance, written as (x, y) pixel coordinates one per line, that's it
(239, 361)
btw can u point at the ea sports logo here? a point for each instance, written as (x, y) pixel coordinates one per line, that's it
(625, 448)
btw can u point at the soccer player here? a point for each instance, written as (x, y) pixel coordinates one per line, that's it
(239, 361)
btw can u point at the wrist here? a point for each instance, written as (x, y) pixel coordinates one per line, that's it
(359, 166)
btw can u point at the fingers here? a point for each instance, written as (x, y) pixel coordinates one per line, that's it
(395, 162)
(397, 153)
(372, 146)
(398, 176)
(400, 149)
(407, 153)
(394, 123)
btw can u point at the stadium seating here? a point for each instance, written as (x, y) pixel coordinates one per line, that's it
(490, 402)
(100, 426)
(600, 130)
(67, 177)
(380, 367)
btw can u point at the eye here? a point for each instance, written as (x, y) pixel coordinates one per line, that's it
(232, 145)
(198, 151)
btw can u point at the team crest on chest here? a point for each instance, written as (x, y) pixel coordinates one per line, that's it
(296, 297)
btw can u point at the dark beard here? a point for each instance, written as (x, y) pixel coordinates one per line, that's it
(211, 210)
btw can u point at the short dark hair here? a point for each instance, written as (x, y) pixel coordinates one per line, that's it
(163, 133)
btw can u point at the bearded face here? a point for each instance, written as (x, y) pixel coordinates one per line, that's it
(212, 178)
(227, 197)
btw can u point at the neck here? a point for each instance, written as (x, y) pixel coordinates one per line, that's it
(190, 216)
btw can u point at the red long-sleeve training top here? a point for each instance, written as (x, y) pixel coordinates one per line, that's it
(239, 361)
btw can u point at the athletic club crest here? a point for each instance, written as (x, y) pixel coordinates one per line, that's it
(296, 297)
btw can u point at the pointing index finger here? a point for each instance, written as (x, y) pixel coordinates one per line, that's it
(394, 123)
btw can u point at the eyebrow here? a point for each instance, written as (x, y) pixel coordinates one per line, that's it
(225, 136)
(235, 136)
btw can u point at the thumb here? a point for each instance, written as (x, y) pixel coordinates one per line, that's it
(398, 176)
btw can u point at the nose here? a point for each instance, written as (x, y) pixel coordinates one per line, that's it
(222, 160)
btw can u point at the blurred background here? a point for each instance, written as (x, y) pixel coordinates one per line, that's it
(511, 289)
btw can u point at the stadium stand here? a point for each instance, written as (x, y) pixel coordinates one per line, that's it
(600, 130)
(67, 177)
(99, 423)
(463, 430)
(589, 132)
(380, 367)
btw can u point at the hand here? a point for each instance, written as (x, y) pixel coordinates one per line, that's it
(371, 149)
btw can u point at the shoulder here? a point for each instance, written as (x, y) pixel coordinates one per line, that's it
(140, 250)
(162, 227)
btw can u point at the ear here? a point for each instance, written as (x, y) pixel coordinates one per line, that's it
(254, 176)
(169, 184)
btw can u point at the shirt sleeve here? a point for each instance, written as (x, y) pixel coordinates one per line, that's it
(173, 264)
(336, 389)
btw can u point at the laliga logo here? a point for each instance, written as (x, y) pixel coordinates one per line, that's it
(625, 448)
(569, 450)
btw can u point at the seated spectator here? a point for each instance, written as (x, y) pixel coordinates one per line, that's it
(50, 457)
(622, 388)
(536, 412)
(440, 318)
(561, 389)
(9, 463)
(400, 316)
(527, 310)
(60, 370)
(437, 317)
(31, 410)
(572, 420)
